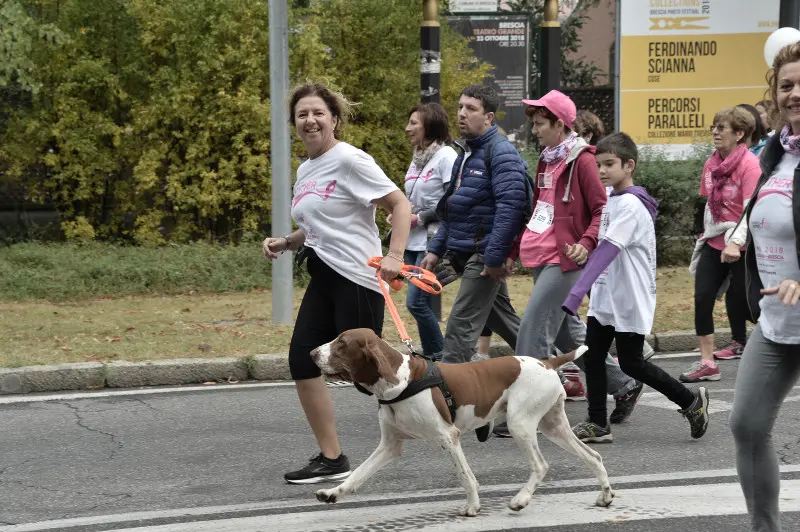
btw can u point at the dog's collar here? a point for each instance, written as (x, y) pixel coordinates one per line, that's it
(431, 378)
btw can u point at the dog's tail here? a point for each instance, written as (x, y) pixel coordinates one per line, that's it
(560, 360)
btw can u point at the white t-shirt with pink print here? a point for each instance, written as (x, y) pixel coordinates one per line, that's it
(772, 228)
(425, 188)
(332, 204)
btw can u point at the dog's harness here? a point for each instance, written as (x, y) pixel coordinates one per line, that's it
(432, 378)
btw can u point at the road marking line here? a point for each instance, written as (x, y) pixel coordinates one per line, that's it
(656, 400)
(39, 398)
(431, 494)
(544, 511)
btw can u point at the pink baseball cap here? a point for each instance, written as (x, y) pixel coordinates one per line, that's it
(557, 103)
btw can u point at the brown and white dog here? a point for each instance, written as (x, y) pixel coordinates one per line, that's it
(524, 391)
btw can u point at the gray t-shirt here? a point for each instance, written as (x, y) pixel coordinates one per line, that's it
(771, 225)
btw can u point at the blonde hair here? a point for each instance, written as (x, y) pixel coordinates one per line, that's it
(739, 119)
(339, 106)
(787, 54)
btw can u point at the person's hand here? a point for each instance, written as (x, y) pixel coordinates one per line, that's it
(577, 253)
(390, 268)
(498, 273)
(429, 262)
(731, 253)
(510, 266)
(274, 246)
(389, 218)
(788, 291)
(414, 220)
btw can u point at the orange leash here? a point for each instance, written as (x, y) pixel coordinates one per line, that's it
(421, 278)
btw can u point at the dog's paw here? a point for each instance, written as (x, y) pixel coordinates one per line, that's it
(519, 501)
(328, 496)
(605, 498)
(469, 510)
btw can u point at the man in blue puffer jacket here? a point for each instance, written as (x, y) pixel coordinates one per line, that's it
(480, 215)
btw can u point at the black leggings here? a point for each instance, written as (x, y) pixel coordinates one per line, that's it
(711, 273)
(632, 363)
(331, 305)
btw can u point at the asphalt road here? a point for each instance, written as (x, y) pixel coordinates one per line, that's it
(212, 458)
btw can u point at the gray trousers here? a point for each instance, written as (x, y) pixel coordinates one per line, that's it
(544, 324)
(480, 301)
(767, 373)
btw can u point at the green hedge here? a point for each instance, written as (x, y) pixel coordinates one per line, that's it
(59, 272)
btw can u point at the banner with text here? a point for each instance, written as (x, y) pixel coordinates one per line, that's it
(504, 42)
(681, 61)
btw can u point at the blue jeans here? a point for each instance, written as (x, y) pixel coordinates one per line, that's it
(419, 304)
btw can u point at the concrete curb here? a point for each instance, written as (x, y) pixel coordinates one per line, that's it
(95, 375)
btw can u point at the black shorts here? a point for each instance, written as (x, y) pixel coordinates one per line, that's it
(331, 305)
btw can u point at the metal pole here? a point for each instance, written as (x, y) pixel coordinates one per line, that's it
(551, 48)
(281, 224)
(789, 16)
(617, 59)
(430, 54)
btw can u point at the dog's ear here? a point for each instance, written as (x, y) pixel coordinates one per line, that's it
(386, 360)
(362, 352)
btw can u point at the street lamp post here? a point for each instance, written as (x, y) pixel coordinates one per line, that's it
(789, 16)
(551, 48)
(281, 224)
(430, 54)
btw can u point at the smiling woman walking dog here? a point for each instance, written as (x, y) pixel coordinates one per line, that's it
(335, 195)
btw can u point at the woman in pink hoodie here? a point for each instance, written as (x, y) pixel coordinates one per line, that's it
(568, 202)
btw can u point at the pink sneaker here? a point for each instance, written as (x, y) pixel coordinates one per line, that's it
(733, 350)
(701, 372)
(574, 389)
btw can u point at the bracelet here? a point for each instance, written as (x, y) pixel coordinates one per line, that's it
(394, 256)
(288, 239)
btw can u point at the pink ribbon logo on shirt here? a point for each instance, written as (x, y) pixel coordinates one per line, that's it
(424, 178)
(311, 188)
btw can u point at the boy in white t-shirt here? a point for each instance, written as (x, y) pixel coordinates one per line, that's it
(621, 274)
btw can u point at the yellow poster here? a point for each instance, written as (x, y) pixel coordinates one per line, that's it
(681, 61)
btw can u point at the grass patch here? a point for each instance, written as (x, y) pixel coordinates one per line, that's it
(154, 327)
(71, 272)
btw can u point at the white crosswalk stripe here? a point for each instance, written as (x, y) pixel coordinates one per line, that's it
(643, 498)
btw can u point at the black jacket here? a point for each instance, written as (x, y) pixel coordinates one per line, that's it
(770, 157)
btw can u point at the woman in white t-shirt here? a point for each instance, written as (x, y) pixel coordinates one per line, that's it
(426, 181)
(770, 365)
(335, 195)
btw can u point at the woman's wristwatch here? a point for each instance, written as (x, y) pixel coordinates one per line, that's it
(288, 239)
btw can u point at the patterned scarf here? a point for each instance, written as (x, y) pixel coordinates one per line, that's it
(790, 143)
(422, 157)
(721, 170)
(560, 152)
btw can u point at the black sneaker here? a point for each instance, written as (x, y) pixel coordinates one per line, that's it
(625, 405)
(697, 414)
(501, 430)
(589, 432)
(320, 469)
(483, 432)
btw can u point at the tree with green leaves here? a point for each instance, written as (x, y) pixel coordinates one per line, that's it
(149, 120)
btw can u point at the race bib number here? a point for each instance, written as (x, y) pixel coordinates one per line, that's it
(545, 180)
(542, 217)
(603, 223)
